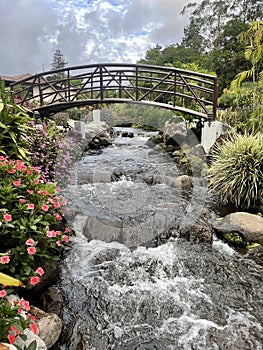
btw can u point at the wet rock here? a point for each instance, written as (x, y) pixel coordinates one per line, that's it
(183, 181)
(53, 301)
(198, 234)
(107, 229)
(249, 226)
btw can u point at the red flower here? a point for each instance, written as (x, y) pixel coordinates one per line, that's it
(17, 183)
(30, 241)
(11, 171)
(4, 259)
(11, 338)
(34, 280)
(58, 217)
(12, 328)
(8, 217)
(2, 293)
(31, 250)
(33, 327)
(40, 271)
(31, 206)
(45, 207)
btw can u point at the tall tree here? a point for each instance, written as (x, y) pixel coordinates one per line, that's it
(253, 37)
(58, 60)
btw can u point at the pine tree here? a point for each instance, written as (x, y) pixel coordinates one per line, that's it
(58, 60)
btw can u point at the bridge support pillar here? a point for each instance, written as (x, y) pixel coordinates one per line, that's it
(96, 113)
(210, 132)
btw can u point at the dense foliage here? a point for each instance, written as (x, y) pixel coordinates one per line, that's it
(14, 124)
(31, 214)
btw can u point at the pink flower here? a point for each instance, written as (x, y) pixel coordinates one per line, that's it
(56, 205)
(65, 238)
(25, 304)
(30, 191)
(31, 250)
(51, 234)
(31, 206)
(34, 280)
(22, 200)
(45, 207)
(4, 259)
(11, 338)
(67, 230)
(17, 183)
(33, 327)
(40, 271)
(58, 217)
(8, 217)
(2, 293)
(2, 158)
(11, 171)
(30, 241)
(58, 243)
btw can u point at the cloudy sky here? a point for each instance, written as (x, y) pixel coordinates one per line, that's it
(85, 31)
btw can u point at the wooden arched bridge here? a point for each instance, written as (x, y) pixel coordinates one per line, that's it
(168, 87)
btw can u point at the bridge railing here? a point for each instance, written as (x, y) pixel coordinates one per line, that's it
(185, 91)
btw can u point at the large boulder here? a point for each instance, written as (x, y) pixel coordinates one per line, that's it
(249, 226)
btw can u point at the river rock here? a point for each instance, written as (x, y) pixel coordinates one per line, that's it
(248, 225)
(30, 338)
(107, 229)
(49, 326)
(53, 301)
(183, 181)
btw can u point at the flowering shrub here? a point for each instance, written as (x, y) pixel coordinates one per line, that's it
(15, 318)
(54, 152)
(31, 230)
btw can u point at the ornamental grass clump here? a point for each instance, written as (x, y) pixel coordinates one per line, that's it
(236, 175)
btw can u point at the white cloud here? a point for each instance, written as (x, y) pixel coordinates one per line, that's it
(86, 31)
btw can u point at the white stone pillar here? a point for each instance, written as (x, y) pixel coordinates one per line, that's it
(96, 113)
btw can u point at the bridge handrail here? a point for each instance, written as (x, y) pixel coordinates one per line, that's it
(112, 76)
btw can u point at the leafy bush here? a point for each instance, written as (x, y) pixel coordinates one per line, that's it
(31, 213)
(236, 175)
(14, 124)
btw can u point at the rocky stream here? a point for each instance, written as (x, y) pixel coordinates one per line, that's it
(145, 270)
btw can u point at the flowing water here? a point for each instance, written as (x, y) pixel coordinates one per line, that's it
(130, 282)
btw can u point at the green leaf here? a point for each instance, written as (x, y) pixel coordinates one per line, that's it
(22, 152)
(1, 106)
(32, 346)
(2, 125)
